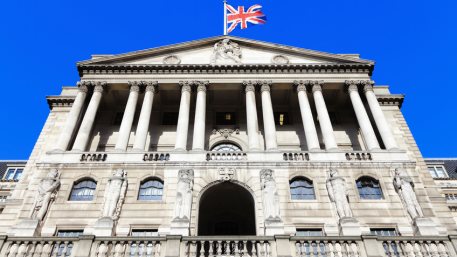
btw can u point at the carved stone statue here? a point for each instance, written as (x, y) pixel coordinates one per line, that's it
(47, 190)
(226, 49)
(115, 194)
(184, 195)
(405, 188)
(336, 187)
(270, 196)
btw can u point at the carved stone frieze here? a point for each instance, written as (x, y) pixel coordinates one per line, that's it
(226, 173)
(226, 132)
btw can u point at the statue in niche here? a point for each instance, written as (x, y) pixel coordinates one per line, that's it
(115, 194)
(270, 196)
(184, 195)
(226, 49)
(47, 190)
(405, 188)
(336, 187)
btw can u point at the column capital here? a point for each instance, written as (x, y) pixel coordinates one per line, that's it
(82, 86)
(99, 86)
(249, 85)
(367, 85)
(134, 86)
(300, 85)
(185, 86)
(151, 86)
(201, 85)
(264, 85)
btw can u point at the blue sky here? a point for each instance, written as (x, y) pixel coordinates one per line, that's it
(413, 42)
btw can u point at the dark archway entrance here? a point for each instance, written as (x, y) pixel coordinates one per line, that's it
(226, 209)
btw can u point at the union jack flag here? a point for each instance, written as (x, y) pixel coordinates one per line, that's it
(239, 16)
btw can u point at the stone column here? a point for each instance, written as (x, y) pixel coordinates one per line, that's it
(72, 119)
(362, 116)
(198, 141)
(378, 116)
(127, 118)
(89, 117)
(324, 119)
(268, 117)
(309, 126)
(145, 116)
(183, 117)
(251, 116)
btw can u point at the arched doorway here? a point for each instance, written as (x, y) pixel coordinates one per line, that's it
(226, 209)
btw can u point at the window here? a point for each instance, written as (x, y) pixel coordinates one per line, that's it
(3, 198)
(309, 232)
(302, 189)
(144, 232)
(83, 191)
(369, 188)
(437, 171)
(118, 118)
(170, 118)
(151, 190)
(225, 118)
(226, 147)
(383, 231)
(281, 118)
(13, 174)
(69, 233)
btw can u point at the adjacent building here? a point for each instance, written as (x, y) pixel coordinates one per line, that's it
(228, 146)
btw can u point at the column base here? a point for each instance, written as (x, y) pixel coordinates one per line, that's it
(180, 227)
(137, 150)
(315, 150)
(198, 150)
(274, 227)
(333, 149)
(179, 150)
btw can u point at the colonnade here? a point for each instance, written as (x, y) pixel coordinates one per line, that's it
(198, 140)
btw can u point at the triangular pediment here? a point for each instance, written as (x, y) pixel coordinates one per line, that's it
(224, 50)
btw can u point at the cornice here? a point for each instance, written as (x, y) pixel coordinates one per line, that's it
(312, 68)
(60, 101)
(391, 100)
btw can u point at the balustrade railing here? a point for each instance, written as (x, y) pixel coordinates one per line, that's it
(358, 156)
(128, 247)
(233, 247)
(322, 247)
(156, 157)
(226, 156)
(227, 246)
(415, 248)
(46, 247)
(93, 157)
(296, 156)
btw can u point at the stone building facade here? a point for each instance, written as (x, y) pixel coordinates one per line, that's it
(226, 147)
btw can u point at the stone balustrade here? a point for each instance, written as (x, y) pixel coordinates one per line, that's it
(154, 157)
(93, 157)
(228, 246)
(201, 156)
(226, 156)
(296, 156)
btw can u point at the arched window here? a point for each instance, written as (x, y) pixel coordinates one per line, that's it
(226, 147)
(151, 189)
(83, 190)
(302, 189)
(369, 188)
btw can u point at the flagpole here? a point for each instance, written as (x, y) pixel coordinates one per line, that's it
(225, 17)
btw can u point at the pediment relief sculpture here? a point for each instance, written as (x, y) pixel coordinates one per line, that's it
(226, 50)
